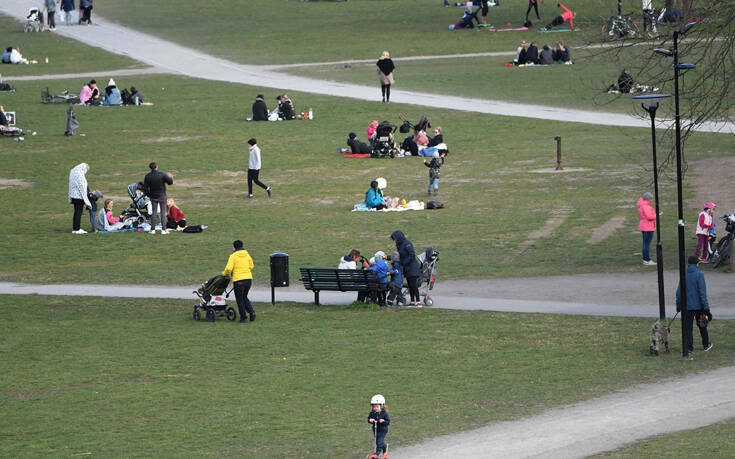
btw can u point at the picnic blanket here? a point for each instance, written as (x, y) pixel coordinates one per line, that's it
(122, 230)
(348, 153)
(410, 205)
(559, 30)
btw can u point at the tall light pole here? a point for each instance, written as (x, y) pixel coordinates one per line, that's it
(677, 120)
(650, 103)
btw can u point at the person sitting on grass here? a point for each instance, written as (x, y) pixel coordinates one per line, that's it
(260, 109)
(438, 137)
(175, 218)
(112, 95)
(547, 56)
(90, 93)
(562, 54)
(567, 15)
(532, 54)
(357, 147)
(106, 221)
(4, 124)
(374, 198)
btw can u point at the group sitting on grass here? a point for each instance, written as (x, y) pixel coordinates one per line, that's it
(528, 54)
(284, 110)
(418, 144)
(112, 96)
(13, 56)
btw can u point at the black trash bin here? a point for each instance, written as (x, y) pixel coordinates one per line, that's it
(279, 269)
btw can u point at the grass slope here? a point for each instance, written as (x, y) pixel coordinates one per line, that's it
(137, 378)
(496, 205)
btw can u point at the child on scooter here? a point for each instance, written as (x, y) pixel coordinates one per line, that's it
(379, 420)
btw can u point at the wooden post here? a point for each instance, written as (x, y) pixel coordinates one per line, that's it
(558, 153)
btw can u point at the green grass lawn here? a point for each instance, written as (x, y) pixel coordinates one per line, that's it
(64, 55)
(716, 440)
(494, 199)
(268, 32)
(124, 377)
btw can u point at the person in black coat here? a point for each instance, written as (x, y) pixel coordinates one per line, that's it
(438, 137)
(357, 147)
(410, 265)
(532, 54)
(260, 109)
(155, 183)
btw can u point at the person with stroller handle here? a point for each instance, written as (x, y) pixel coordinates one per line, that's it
(155, 184)
(78, 195)
(411, 269)
(239, 267)
(379, 420)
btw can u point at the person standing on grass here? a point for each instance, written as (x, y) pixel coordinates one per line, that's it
(155, 183)
(254, 169)
(239, 267)
(78, 195)
(705, 223)
(85, 7)
(484, 6)
(647, 225)
(532, 4)
(697, 305)
(410, 266)
(434, 166)
(385, 72)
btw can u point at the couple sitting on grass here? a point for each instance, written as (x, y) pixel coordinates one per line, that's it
(90, 95)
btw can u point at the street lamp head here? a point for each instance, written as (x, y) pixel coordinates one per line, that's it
(663, 52)
(686, 28)
(686, 66)
(651, 100)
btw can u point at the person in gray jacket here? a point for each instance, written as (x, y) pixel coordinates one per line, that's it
(697, 306)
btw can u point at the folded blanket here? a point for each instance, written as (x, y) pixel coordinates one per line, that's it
(410, 205)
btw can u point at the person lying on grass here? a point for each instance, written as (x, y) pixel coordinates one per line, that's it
(13, 56)
(357, 147)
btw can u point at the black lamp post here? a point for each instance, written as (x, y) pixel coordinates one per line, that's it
(650, 103)
(682, 258)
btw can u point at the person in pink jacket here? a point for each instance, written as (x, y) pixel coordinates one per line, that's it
(371, 132)
(647, 225)
(567, 15)
(705, 223)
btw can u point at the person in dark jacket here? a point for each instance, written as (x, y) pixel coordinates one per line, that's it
(385, 73)
(155, 184)
(532, 54)
(410, 265)
(260, 109)
(625, 82)
(697, 306)
(438, 137)
(547, 56)
(356, 146)
(286, 109)
(379, 420)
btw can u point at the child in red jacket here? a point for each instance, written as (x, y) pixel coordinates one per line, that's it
(567, 15)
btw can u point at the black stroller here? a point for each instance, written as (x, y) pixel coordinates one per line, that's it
(384, 144)
(139, 210)
(427, 263)
(211, 300)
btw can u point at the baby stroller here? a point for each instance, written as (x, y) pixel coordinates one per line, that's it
(384, 145)
(210, 299)
(33, 21)
(427, 263)
(140, 208)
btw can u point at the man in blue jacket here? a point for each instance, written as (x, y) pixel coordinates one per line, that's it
(697, 306)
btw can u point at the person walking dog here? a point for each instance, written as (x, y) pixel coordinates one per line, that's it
(697, 306)
(239, 267)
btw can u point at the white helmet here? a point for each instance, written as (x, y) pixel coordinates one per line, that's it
(382, 183)
(377, 400)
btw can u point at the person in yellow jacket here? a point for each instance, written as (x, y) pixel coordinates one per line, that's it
(239, 267)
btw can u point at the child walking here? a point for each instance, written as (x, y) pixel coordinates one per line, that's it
(434, 166)
(379, 420)
(396, 280)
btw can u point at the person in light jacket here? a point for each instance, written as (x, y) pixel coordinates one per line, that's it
(385, 73)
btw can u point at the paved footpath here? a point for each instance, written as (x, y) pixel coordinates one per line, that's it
(178, 59)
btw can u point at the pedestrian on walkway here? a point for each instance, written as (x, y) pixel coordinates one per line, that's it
(705, 223)
(85, 8)
(385, 72)
(239, 267)
(78, 195)
(697, 306)
(410, 266)
(647, 225)
(155, 183)
(50, 6)
(254, 169)
(67, 6)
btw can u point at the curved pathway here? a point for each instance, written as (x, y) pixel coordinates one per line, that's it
(178, 59)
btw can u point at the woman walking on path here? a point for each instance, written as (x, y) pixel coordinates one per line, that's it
(385, 72)
(647, 225)
(410, 265)
(67, 6)
(240, 266)
(78, 195)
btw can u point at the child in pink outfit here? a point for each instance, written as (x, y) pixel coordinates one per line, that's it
(371, 132)
(705, 223)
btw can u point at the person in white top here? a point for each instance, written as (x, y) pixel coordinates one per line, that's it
(254, 169)
(705, 223)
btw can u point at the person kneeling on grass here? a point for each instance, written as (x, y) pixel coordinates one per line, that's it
(175, 218)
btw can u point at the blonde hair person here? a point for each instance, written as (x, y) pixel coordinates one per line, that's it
(385, 74)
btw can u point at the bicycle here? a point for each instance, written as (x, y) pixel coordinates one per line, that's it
(619, 27)
(721, 252)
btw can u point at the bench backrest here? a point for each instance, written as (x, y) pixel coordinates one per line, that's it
(346, 280)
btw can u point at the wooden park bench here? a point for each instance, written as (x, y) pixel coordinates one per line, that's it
(340, 280)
